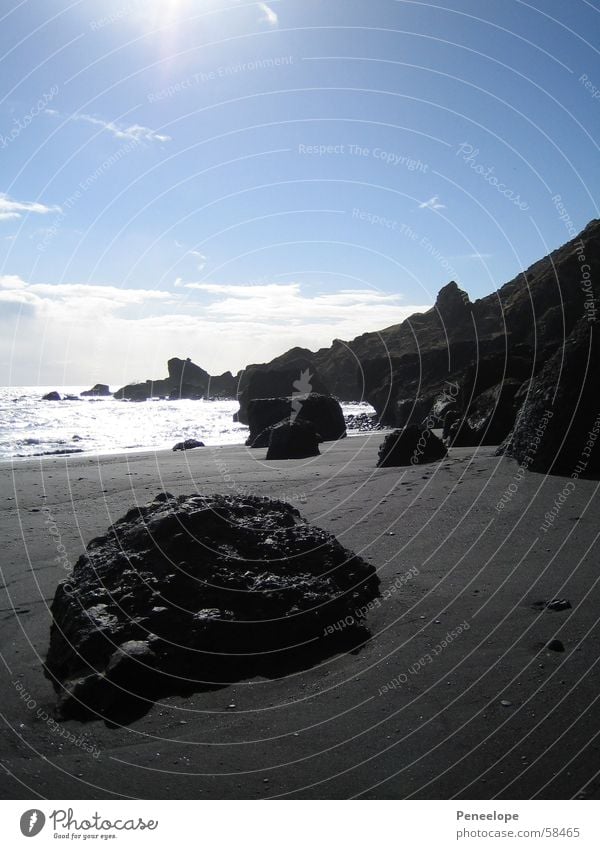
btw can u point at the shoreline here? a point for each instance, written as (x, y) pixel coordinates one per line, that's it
(148, 451)
(441, 729)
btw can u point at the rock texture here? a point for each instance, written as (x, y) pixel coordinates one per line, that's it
(411, 446)
(558, 427)
(293, 441)
(508, 335)
(193, 590)
(322, 411)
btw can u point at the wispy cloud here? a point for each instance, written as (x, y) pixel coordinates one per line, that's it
(432, 203)
(200, 260)
(199, 257)
(268, 15)
(11, 209)
(135, 132)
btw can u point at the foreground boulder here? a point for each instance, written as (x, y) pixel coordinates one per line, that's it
(322, 411)
(51, 396)
(558, 427)
(188, 445)
(293, 441)
(411, 446)
(188, 591)
(100, 390)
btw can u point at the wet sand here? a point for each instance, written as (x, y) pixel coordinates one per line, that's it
(488, 712)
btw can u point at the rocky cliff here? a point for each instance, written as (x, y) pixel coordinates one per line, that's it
(458, 346)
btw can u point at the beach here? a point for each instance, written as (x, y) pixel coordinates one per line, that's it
(454, 695)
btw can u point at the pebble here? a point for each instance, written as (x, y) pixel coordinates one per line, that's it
(232, 706)
(505, 703)
(556, 645)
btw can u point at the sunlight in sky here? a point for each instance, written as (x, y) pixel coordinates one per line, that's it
(233, 169)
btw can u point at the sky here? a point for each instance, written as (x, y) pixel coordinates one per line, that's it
(224, 180)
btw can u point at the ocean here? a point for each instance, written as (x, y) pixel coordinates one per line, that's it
(30, 427)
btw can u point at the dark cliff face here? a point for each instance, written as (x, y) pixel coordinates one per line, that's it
(509, 334)
(457, 347)
(557, 428)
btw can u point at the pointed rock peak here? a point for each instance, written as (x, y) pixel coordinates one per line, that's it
(451, 297)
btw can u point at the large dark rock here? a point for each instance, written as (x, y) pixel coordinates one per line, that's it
(193, 591)
(100, 390)
(460, 434)
(293, 441)
(293, 375)
(557, 428)
(263, 414)
(324, 412)
(52, 396)
(188, 380)
(185, 380)
(411, 446)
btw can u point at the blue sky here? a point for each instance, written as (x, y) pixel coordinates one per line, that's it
(224, 180)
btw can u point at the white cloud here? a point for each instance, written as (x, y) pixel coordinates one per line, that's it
(11, 209)
(268, 15)
(432, 203)
(200, 259)
(115, 335)
(135, 132)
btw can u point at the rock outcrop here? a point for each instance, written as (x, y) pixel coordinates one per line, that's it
(185, 380)
(293, 441)
(100, 390)
(411, 446)
(322, 411)
(193, 591)
(52, 396)
(506, 336)
(144, 391)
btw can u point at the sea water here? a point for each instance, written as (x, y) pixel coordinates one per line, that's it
(30, 427)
